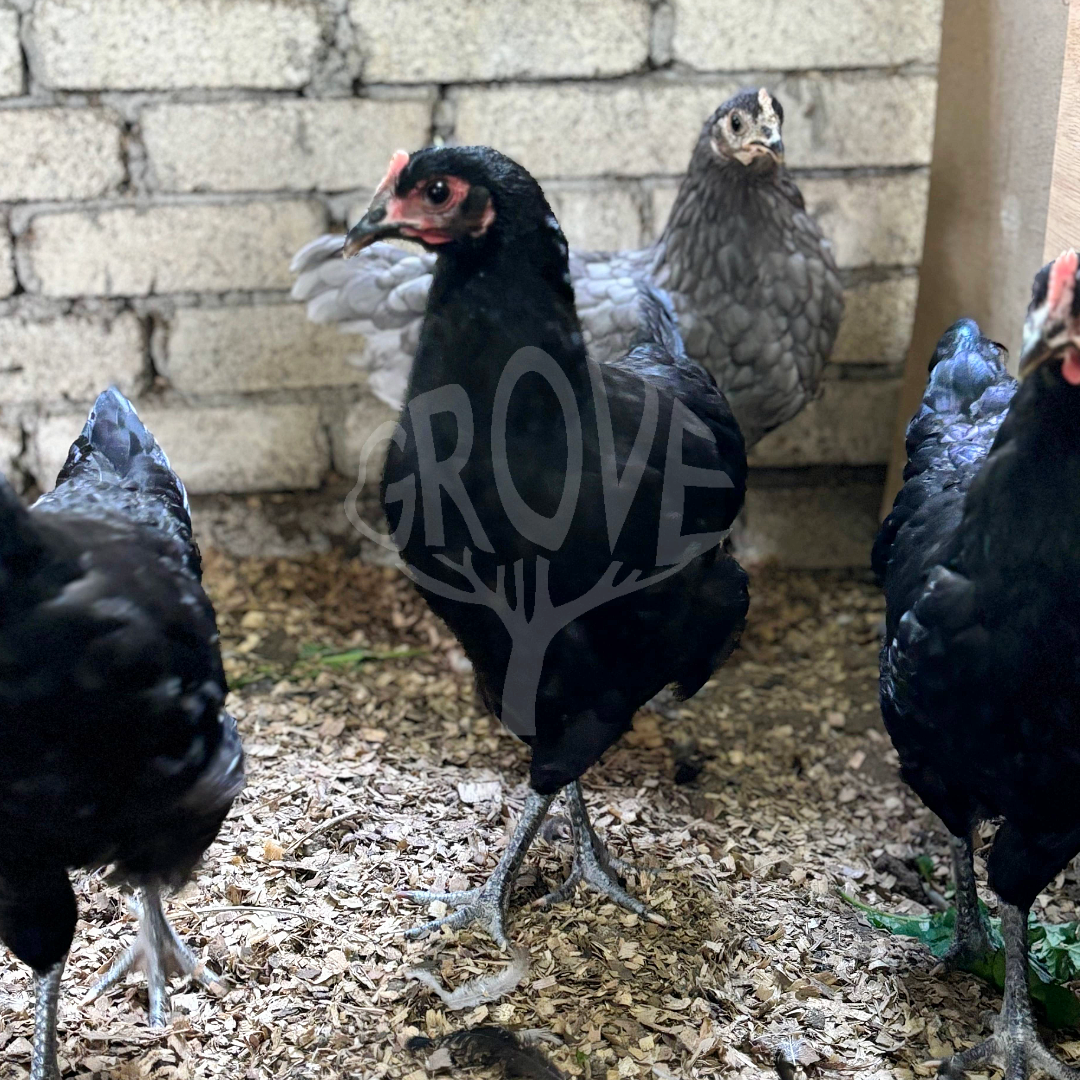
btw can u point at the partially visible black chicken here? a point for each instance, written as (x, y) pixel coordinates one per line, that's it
(115, 747)
(530, 490)
(752, 280)
(980, 671)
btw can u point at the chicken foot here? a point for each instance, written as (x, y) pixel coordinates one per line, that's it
(1015, 1044)
(160, 952)
(593, 864)
(970, 939)
(488, 905)
(43, 1064)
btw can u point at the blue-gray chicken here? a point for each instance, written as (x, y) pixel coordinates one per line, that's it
(115, 747)
(752, 280)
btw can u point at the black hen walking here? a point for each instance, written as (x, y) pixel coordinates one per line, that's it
(752, 280)
(980, 677)
(114, 744)
(564, 483)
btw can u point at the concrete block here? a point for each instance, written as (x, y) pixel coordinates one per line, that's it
(238, 448)
(74, 357)
(871, 220)
(284, 145)
(7, 263)
(135, 252)
(478, 40)
(851, 422)
(831, 121)
(11, 61)
(10, 449)
(596, 216)
(878, 319)
(245, 349)
(724, 35)
(58, 154)
(168, 44)
(349, 436)
(810, 528)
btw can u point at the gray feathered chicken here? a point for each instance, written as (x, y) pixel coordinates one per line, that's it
(751, 277)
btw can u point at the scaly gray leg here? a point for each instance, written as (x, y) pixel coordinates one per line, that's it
(488, 904)
(159, 951)
(1015, 1045)
(43, 1064)
(593, 863)
(970, 940)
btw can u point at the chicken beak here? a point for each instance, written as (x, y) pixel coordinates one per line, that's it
(1035, 348)
(374, 225)
(774, 145)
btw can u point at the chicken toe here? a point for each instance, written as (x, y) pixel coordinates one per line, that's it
(488, 905)
(1015, 1045)
(593, 864)
(159, 951)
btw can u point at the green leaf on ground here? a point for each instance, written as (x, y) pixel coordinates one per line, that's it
(1055, 954)
(312, 658)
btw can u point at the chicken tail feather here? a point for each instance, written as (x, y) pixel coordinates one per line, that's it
(657, 322)
(115, 451)
(964, 366)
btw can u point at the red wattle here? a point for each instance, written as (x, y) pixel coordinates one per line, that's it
(1070, 367)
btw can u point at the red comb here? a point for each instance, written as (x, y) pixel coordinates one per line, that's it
(393, 171)
(1062, 278)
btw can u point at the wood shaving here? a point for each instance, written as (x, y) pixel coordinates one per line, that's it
(353, 795)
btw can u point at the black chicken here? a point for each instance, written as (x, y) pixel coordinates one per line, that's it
(980, 682)
(752, 279)
(114, 744)
(530, 568)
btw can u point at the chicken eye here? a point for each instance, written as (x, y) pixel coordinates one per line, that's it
(736, 123)
(438, 192)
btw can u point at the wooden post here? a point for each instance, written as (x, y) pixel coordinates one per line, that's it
(1063, 214)
(999, 83)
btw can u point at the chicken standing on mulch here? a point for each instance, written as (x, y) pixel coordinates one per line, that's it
(979, 683)
(357, 781)
(571, 624)
(115, 747)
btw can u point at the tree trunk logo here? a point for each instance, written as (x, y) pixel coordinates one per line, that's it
(532, 627)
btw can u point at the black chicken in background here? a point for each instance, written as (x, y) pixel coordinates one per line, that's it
(752, 280)
(115, 747)
(980, 670)
(501, 284)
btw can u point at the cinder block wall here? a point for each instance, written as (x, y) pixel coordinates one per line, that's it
(163, 159)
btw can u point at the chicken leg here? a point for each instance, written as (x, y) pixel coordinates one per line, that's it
(970, 939)
(43, 1065)
(1015, 1045)
(593, 864)
(158, 950)
(488, 905)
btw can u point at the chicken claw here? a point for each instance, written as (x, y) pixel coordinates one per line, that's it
(159, 951)
(593, 864)
(1015, 1045)
(488, 905)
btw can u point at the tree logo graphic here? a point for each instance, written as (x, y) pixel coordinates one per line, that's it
(532, 627)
